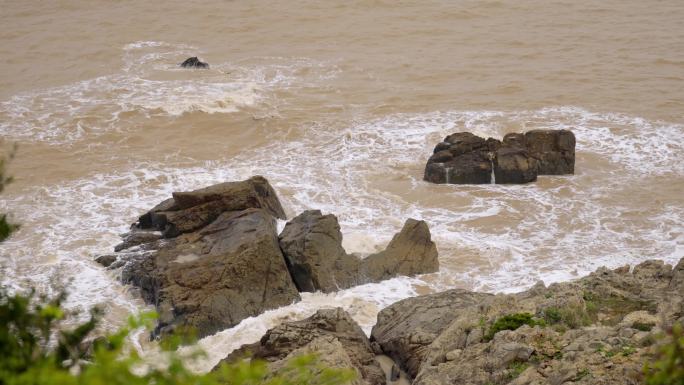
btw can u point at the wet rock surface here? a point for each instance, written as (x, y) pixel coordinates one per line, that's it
(194, 62)
(312, 245)
(600, 329)
(211, 257)
(208, 258)
(464, 158)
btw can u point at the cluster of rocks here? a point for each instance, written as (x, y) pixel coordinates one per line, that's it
(465, 158)
(212, 257)
(600, 329)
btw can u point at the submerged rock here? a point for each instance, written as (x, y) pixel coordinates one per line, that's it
(194, 62)
(312, 245)
(331, 333)
(464, 158)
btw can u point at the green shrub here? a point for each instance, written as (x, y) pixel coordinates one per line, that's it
(34, 350)
(6, 228)
(644, 327)
(511, 322)
(668, 369)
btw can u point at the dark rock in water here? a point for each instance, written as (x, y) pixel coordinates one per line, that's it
(219, 261)
(462, 158)
(194, 62)
(514, 165)
(137, 238)
(106, 260)
(330, 331)
(214, 278)
(410, 252)
(189, 211)
(553, 149)
(312, 245)
(465, 158)
(210, 258)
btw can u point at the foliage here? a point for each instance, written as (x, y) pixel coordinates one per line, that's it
(6, 228)
(516, 368)
(35, 350)
(668, 369)
(511, 322)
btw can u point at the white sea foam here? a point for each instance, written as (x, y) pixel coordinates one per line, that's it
(149, 84)
(490, 237)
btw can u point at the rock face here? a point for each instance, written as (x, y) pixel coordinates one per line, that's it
(464, 158)
(312, 245)
(192, 210)
(600, 329)
(553, 149)
(194, 62)
(208, 258)
(331, 333)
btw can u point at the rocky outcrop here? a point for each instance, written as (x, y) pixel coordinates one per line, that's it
(215, 277)
(188, 211)
(331, 333)
(464, 158)
(208, 258)
(312, 245)
(554, 150)
(599, 329)
(194, 62)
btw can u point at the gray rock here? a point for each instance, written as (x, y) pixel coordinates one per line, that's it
(464, 158)
(214, 278)
(514, 165)
(279, 343)
(193, 62)
(312, 245)
(553, 149)
(434, 337)
(190, 211)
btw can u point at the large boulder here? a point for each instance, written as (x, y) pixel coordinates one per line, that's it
(312, 245)
(598, 329)
(553, 149)
(330, 332)
(208, 258)
(406, 329)
(410, 252)
(464, 158)
(216, 277)
(514, 165)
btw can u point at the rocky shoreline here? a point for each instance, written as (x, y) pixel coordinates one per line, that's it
(599, 329)
(209, 258)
